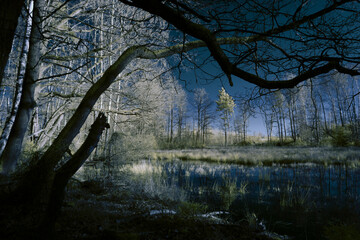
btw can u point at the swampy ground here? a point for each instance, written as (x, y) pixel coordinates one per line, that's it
(96, 211)
(233, 193)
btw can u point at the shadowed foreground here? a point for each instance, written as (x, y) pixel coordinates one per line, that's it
(93, 211)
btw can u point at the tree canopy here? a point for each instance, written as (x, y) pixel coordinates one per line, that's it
(272, 44)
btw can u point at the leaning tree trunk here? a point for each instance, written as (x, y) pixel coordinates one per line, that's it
(64, 173)
(38, 196)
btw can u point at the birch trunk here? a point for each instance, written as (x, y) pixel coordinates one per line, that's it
(14, 144)
(7, 165)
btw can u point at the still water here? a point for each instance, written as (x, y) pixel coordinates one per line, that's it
(300, 201)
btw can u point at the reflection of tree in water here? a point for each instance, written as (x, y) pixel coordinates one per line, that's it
(310, 194)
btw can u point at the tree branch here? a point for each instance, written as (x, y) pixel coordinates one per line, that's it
(213, 44)
(57, 149)
(78, 158)
(64, 173)
(72, 128)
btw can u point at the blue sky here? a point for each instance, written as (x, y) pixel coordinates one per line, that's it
(196, 79)
(240, 88)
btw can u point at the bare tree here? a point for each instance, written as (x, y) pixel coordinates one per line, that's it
(181, 113)
(285, 41)
(263, 42)
(245, 111)
(202, 106)
(268, 115)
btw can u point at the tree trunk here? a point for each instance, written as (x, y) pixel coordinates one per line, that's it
(63, 175)
(180, 123)
(226, 124)
(34, 126)
(39, 194)
(30, 195)
(9, 13)
(244, 129)
(315, 123)
(171, 124)
(27, 103)
(324, 113)
(10, 121)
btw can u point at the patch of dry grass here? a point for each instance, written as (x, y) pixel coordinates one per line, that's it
(253, 155)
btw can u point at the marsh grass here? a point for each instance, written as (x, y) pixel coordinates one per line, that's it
(295, 198)
(251, 219)
(149, 179)
(264, 176)
(228, 193)
(243, 188)
(266, 156)
(262, 191)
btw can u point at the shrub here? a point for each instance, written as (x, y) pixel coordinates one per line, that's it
(340, 137)
(131, 147)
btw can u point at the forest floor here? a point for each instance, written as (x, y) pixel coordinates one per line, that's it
(267, 156)
(93, 210)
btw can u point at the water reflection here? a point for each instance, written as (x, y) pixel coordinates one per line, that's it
(297, 200)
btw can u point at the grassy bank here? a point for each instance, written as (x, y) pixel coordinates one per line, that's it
(257, 155)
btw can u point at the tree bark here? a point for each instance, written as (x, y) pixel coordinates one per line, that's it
(10, 121)
(9, 13)
(13, 146)
(63, 174)
(60, 145)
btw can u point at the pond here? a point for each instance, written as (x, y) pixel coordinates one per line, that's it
(302, 201)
